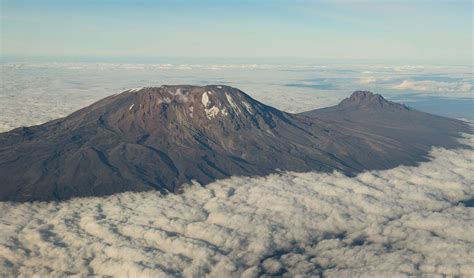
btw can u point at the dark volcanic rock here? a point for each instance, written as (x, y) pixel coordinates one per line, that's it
(370, 115)
(368, 100)
(160, 138)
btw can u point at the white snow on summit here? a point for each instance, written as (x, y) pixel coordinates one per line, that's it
(205, 99)
(212, 112)
(135, 89)
(232, 103)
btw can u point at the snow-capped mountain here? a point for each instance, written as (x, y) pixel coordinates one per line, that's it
(159, 138)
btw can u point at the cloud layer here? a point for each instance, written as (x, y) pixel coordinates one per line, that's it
(434, 86)
(36, 93)
(404, 221)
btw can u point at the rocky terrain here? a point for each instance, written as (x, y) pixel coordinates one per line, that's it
(160, 138)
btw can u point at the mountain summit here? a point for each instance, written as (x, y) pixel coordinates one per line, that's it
(369, 100)
(159, 138)
(147, 111)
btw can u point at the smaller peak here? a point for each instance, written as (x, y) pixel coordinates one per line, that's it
(365, 95)
(362, 93)
(367, 99)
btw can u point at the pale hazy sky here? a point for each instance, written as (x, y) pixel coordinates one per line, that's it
(433, 31)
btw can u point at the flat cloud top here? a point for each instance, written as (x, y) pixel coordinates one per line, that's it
(403, 221)
(39, 92)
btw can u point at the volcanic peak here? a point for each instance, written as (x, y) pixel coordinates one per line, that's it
(366, 99)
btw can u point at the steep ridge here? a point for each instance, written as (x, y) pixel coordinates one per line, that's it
(159, 138)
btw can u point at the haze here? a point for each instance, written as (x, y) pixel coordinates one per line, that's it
(389, 31)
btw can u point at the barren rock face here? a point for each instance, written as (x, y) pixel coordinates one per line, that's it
(160, 138)
(369, 100)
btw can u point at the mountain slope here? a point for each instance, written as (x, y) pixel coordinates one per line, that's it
(160, 138)
(371, 114)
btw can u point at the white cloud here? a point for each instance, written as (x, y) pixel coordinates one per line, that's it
(366, 80)
(403, 221)
(36, 93)
(434, 86)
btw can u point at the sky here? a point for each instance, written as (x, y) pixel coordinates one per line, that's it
(410, 31)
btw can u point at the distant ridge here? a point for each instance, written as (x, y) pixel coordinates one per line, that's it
(159, 138)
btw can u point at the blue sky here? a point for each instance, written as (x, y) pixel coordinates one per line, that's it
(432, 31)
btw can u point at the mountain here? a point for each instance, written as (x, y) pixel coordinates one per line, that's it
(370, 114)
(162, 137)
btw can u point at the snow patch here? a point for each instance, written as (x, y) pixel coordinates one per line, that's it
(224, 112)
(164, 100)
(247, 106)
(232, 103)
(135, 89)
(131, 106)
(205, 99)
(180, 95)
(212, 112)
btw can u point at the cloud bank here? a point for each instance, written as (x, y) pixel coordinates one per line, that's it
(398, 222)
(434, 86)
(33, 93)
